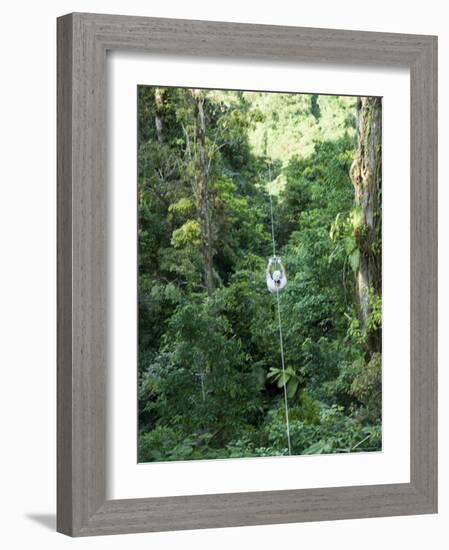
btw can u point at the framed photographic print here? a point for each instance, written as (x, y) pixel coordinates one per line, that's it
(246, 274)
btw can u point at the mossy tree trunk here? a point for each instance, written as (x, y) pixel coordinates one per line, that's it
(366, 176)
(204, 193)
(159, 103)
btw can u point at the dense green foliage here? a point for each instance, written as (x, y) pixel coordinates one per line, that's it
(210, 378)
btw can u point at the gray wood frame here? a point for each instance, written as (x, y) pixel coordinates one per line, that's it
(83, 40)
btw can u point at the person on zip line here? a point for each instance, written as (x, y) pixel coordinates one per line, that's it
(275, 274)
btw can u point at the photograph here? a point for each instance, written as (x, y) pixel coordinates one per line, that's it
(259, 274)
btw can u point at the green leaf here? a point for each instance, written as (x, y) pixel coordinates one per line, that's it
(282, 380)
(273, 373)
(349, 244)
(292, 386)
(354, 259)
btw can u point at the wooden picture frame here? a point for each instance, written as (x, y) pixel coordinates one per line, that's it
(83, 40)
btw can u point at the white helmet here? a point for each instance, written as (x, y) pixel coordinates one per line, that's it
(277, 276)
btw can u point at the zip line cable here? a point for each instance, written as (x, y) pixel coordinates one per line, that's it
(283, 374)
(281, 340)
(272, 226)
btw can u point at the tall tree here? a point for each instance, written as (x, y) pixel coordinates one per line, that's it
(159, 104)
(204, 192)
(366, 176)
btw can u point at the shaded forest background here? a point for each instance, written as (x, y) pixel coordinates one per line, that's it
(210, 378)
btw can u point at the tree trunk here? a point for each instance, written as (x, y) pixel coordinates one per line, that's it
(203, 193)
(158, 100)
(366, 176)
